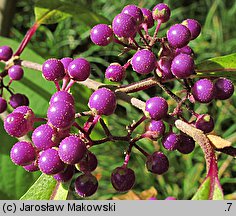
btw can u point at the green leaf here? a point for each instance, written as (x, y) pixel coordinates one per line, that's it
(42, 189)
(54, 11)
(218, 194)
(204, 191)
(61, 191)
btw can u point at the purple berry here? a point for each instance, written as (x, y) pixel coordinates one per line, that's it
(193, 26)
(143, 61)
(32, 167)
(66, 175)
(170, 198)
(157, 163)
(66, 61)
(15, 72)
(50, 163)
(182, 66)
(22, 153)
(79, 69)
(178, 36)
(124, 25)
(171, 141)
(53, 70)
(101, 35)
(88, 163)
(16, 125)
(165, 65)
(205, 123)
(224, 88)
(156, 108)
(44, 137)
(86, 185)
(123, 179)
(103, 101)
(62, 96)
(203, 91)
(186, 50)
(186, 144)
(161, 12)
(5, 53)
(3, 105)
(148, 19)
(134, 11)
(61, 114)
(156, 129)
(115, 72)
(18, 99)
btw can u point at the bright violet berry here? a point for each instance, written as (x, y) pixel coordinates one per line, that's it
(143, 61)
(62, 96)
(101, 34)
(15, 72)
(205, 123)
(18, 99)
(155, 129)
(61, 114)
(224, 88)
(203, 91)
(186, 144)
(86, 185)
(165, 65)
(157, 163)
(32, 167)
(124, 25)
(185, 50)
(134, 11)
(50, 163)
(161, 12)
(103, 101)
(5, 53)
(44, 137)
(170, 198)
(182, 66)
(22, 153)
(148, 19)
(88, 163)
(66, 61)
(178, 36)
(71, 150)
(66, 175)
(156, 108)
(16, 125)
(122, 179)
(53, 70)
(171, 141)
(193, 26)
(3, 105)
(79, 69)
(115, 72)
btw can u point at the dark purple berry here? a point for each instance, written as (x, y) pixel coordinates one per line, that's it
(165, 65)
(123, 179)
(224, 88)
(182, 66)
(157, 163)
(115, 72)
(3, 105)
(71, 150)
(66, 175)
(148, 19)
(86, 185)
(156, 108)
(22, 153)
(124, 25)
(203, 91)
(205, 123)
(193, 26)
(161, 12)
(155, 129)
(185, 50)
(44, 137)
(66, 61)
(101, 34)
(88, 163)
(79, 69)
(5, 53)
(186, 144)
(62, 96)
(178, 36)
(134, 11)
(50, 163)
(18, 99)
(32, 167)
(15, 72)
(143, 61)
(61, 114)
(103, 101)
(171, 141)
(53, 70)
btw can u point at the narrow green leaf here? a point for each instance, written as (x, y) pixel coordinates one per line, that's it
(42, 189)
(204, 191)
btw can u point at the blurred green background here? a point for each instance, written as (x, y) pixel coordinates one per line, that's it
(71, 38)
